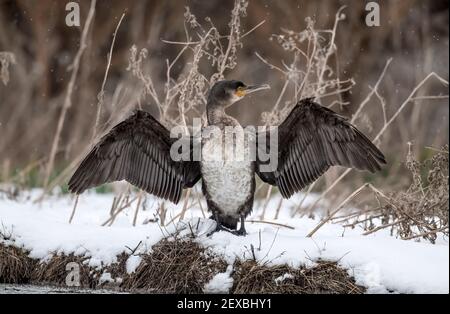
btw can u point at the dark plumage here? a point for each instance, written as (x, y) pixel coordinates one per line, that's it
(313, 138)
(310, 140)
(136, 150)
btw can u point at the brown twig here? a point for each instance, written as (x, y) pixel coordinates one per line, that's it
(270, 223)
(384, 226)
(101, 95)
(338, 208)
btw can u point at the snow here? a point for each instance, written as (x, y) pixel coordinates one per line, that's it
(106, 277)
(133, 263)
(378, 261)
(280, 279)
(221, 282)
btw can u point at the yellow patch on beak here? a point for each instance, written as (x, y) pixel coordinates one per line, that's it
(240, 92)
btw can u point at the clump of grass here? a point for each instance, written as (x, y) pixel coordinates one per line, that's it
(179, 266)
(325, 277)
(54, 271)
(15, 265)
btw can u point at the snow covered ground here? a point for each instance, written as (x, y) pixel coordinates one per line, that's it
(379, 262)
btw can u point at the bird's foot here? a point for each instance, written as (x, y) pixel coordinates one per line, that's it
(240, 232)
(219, 227)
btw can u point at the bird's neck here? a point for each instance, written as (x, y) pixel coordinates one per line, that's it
(216, 115)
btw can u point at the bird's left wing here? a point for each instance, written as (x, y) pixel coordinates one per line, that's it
(137, 150)
(310, 140)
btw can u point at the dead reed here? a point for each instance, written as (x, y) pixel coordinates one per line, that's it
(419, 211)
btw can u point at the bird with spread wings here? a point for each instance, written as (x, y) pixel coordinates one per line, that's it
(311, 139)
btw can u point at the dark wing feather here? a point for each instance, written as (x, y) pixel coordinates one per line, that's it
(137, 150)
(311, 139)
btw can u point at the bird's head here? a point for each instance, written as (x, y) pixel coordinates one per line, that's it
(226, 93)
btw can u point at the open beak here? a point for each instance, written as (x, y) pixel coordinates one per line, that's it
(254, 88)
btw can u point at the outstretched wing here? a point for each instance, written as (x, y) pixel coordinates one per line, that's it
(313, 138)
(137, 150)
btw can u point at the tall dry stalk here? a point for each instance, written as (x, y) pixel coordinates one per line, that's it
(68, 97)
(101, 94)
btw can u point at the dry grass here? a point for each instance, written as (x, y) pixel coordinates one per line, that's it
(15, 265)
(177, 266)
(419, 211)
(54, 271)
(325, 277)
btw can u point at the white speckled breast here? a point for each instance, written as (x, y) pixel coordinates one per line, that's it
(227, 172)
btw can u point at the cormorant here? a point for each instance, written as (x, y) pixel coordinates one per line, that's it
(310, 140)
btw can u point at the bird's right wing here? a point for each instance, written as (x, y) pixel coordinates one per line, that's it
(137, 150)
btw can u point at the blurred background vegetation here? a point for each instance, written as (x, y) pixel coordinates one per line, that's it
(414, 33)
